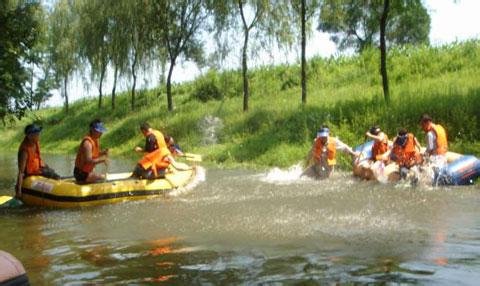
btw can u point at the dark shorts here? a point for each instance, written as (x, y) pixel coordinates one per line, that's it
(80, 175)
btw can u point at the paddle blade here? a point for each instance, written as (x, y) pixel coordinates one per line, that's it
(193, 157)
(9, 202)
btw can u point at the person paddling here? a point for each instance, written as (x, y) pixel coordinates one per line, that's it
(89, 155)
(30, 162)
(372, 165)
(323, 153)
(157, 156)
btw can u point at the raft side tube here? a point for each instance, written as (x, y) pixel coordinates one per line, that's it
(462, 171)
(365, 150)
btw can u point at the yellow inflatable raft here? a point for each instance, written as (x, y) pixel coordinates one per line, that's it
(65, 193)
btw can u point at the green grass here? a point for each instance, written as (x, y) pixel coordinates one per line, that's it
(343, 92)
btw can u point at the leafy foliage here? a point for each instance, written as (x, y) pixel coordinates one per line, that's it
(355, 24)
(345, 94)
(19, 32)
(207, 88)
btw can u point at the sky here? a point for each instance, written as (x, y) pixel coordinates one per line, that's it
(450, 21)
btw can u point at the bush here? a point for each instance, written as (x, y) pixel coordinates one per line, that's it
(207, 88)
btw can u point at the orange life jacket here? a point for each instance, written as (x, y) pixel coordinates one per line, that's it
(379, 148)
(34, 162)
(441, 136)
(331, 150)
(407, 155)
(156, 159)
(80, 159)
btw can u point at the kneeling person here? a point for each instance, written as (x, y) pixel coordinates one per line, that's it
(324, 151)
(89, 155)
(405, 153)
(29, 161)
(157, 156)
(368, 168)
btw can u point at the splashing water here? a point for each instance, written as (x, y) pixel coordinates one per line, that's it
(284, 177)
(200, 176)
(210, 126)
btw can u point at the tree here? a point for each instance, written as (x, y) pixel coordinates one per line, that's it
(356, 24)
(117, 47)
(261, 19)
(362, 24)
(305, 9)
(94, 38)
(63, 44)
(178, 27)
(383, 50)
(19, 31)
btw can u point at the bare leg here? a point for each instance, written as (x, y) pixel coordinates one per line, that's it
(94, 177)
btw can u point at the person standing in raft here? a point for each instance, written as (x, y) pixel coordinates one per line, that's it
(323, 154)
(29, 161)
(371, 166)
(157, 156)
(437, 145)
(405, 153)
(89, 155)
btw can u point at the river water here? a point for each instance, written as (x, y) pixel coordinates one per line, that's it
(245, 227)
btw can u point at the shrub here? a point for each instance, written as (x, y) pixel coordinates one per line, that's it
(207, 88)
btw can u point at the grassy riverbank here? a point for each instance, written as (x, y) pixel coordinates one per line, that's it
(344, 92)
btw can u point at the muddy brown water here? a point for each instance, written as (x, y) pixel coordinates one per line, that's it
(245, 227)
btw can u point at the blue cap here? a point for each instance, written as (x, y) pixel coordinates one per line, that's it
(98, 126)
(324, 132)
(32, 129)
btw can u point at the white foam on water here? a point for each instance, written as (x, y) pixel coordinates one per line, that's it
(200, 176)
(284, 177)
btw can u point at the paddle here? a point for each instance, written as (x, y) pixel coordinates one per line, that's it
(9, 202)
(107, 164)
(192, 157)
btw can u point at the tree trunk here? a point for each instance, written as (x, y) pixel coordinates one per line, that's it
(245, 70)
(65, 94)
(32, 95)
(134, 75)
(169, 85)
(383, 51)
(163, 68)
(304, 40)
(100, 94)
(115, 75)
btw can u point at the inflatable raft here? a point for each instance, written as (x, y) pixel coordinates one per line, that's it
(66, 193)
(460, 170)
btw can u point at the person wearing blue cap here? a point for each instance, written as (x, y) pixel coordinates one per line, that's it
(323, 153)
(89, 155)
(30, 162)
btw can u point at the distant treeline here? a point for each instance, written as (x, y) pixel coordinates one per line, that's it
(344, 92)
(45, 46)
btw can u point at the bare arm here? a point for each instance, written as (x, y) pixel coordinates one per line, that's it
(417, 144)
(22, 163)
(345, 148)
(378, 137)
(87, 150)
